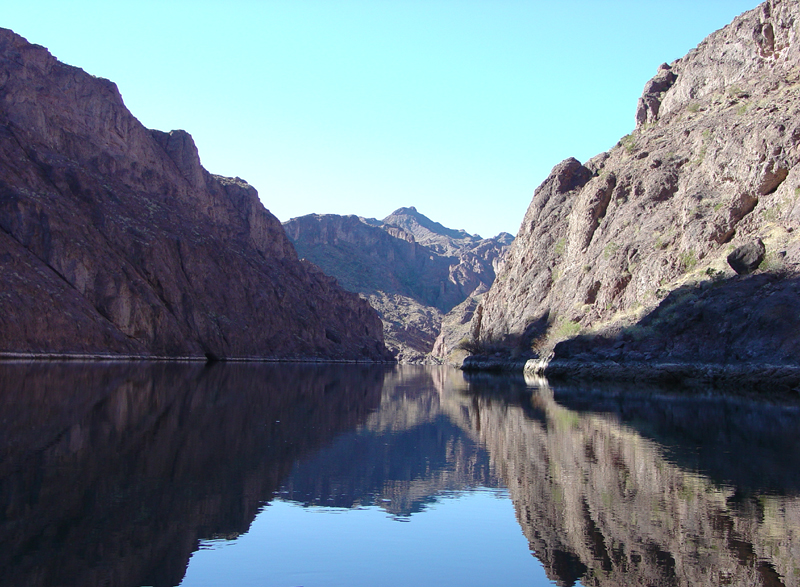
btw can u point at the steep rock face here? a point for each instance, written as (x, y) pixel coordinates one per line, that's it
(115, 240)
(711, 166)
(412, 285)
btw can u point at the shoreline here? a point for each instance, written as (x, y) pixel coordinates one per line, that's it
(9, 357)
(761, 376)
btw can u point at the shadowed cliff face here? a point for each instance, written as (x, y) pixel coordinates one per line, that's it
(644, 489)
(711, 166)
(724, 321)
(115, 240)
(109, 474)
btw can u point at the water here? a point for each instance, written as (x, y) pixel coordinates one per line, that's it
(295, 475)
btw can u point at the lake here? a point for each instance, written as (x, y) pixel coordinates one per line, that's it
(162, 474)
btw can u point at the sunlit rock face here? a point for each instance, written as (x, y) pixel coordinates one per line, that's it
(614, 503)
(115, 240)
(711, 166)
(111, 474)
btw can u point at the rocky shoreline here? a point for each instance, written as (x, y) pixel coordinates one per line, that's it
(761, 377)
(9, 357)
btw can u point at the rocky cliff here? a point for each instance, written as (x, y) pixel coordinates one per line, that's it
(709, 172)
(115, 240)
(411, 269)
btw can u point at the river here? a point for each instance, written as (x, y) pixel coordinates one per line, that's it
(163, 474)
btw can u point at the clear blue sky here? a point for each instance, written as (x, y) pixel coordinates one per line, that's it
(459, 108)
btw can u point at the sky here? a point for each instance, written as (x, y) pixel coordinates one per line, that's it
(459, 108)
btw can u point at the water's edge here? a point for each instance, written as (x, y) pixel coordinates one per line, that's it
(759, 376)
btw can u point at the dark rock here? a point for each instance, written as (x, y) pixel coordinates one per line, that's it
(115, 240)
(650, 102)
(746, 258)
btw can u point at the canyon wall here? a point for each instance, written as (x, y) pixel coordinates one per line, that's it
(710, 172)
(114, 240)
(413, 271)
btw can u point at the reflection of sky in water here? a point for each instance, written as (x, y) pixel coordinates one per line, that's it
(109, 475)
(465, 539)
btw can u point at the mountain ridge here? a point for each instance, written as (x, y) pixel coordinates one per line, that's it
(411, 284)
(114, 240)
(710, 169)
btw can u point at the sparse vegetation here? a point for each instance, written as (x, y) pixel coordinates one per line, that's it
(560, 246)
(660, 244)
(693, 107)
(771, 262)
(566, 329)
(741, 109)
(773, 213)
(715, 274)
(628, 143)
(638, 332)
(735, 91)
(688, 260)
(477, 347)
(609, 250)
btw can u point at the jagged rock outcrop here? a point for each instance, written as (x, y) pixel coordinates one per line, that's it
(412, 284)
(115, 240)
(711, 165)
(433, 235)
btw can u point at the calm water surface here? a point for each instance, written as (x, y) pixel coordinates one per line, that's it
(294, 475)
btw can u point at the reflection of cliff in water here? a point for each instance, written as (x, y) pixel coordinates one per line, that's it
(601, 502)
(405, 455)
(110, 474)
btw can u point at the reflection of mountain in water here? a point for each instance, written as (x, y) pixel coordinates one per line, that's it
(405, 455)
(602, 503)
(110, 473)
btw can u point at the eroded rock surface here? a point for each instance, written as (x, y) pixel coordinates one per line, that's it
(712, 165)
(115, 240)
(411, 269)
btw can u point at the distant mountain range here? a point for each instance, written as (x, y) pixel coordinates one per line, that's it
(411, 269)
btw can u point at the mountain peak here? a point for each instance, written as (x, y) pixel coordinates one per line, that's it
(426, 231)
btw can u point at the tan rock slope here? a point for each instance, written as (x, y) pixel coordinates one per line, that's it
(115, 240)
(710, 167)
